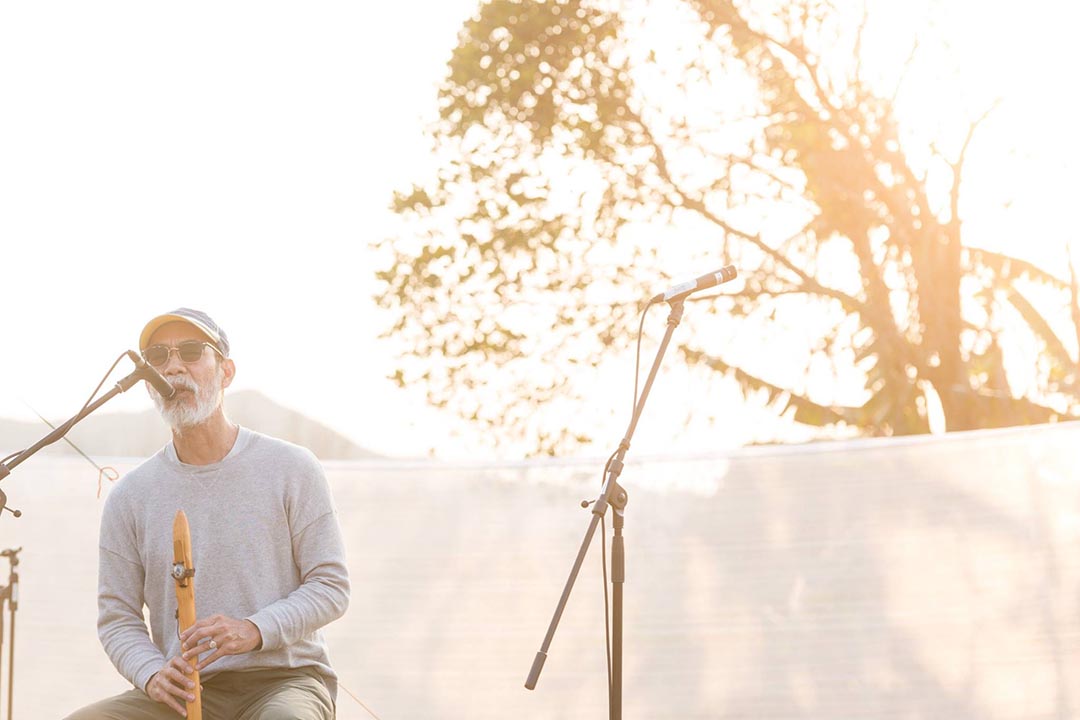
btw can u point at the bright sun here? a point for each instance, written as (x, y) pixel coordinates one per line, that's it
(1020, 168)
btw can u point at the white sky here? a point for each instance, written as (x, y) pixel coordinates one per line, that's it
(233, 157)
(239, 158)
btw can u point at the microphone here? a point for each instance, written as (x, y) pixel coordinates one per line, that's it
(679, 292)
(152, 376)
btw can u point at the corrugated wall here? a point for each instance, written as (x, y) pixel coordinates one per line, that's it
(916, 578)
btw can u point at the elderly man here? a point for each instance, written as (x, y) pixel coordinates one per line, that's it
(266, 546)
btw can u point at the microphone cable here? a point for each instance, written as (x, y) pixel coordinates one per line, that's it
(104, 473)
(358, 700)
(70, 423)
(603, 477)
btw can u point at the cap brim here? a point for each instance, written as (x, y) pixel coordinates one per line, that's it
(153, 325)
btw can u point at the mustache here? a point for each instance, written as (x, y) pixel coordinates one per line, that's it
(181, 382)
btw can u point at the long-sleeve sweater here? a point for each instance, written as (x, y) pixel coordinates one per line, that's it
(266, 546)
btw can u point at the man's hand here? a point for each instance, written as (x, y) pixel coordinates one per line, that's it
(170, 685)
(222, 635)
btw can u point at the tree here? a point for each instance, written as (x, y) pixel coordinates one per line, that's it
(739, 130)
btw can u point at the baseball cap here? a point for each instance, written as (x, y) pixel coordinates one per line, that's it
(198, 318)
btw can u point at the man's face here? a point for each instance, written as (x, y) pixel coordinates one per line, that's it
(198, 384)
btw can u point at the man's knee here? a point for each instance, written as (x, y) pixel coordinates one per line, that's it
(302, 711)
(279, 713)
(97, 711)
(301, 699)
(284, 712)
(132, 705)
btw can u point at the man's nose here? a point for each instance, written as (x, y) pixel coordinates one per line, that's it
(173, 364)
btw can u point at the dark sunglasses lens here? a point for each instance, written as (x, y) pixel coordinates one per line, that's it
(190, 351)
(156, 355)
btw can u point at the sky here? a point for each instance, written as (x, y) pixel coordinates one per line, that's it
(233, 157)
(240, 157)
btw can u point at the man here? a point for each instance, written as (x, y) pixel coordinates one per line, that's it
(266, 545)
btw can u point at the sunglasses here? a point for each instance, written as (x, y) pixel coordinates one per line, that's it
(188, 351)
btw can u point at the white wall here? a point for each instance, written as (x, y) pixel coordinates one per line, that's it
(919, 578)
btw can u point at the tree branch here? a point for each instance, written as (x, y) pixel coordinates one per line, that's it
(802, 405)
(1074, 298)
(1007, 268)
(958, 166)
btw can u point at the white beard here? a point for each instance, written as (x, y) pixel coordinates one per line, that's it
(178, 412)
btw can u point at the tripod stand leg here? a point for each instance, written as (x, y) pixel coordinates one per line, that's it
(3, 599)
(11, 664)
(618, 578)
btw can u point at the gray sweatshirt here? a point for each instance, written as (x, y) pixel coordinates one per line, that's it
(266, 546)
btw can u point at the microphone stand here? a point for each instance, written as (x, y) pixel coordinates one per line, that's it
(123, 385)
(616, 496)
(9, 593)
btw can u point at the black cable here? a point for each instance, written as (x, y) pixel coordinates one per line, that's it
(607, 624)
(603, 565)
(603, 478)
(637, 360)
(104, 473)
(71, 422)
(107, 374)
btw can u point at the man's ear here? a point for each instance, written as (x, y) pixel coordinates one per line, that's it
(229, 369)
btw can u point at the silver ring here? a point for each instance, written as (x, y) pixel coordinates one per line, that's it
(213, 644)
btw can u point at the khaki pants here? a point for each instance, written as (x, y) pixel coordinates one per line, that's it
(252, 695)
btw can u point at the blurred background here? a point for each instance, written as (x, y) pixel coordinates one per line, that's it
(430, 229)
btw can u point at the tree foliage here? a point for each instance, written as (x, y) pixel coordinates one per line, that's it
(585, 147)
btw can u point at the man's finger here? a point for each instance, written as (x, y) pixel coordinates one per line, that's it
(193, 627)
(165, 692)
(168, 700)
(202, 645)
(196, 648)
(180, 680)
(211, 632)
(195, 639)
(186, 636)
(198, 626)
(214, 656)
(202, 623)
(181, 666)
